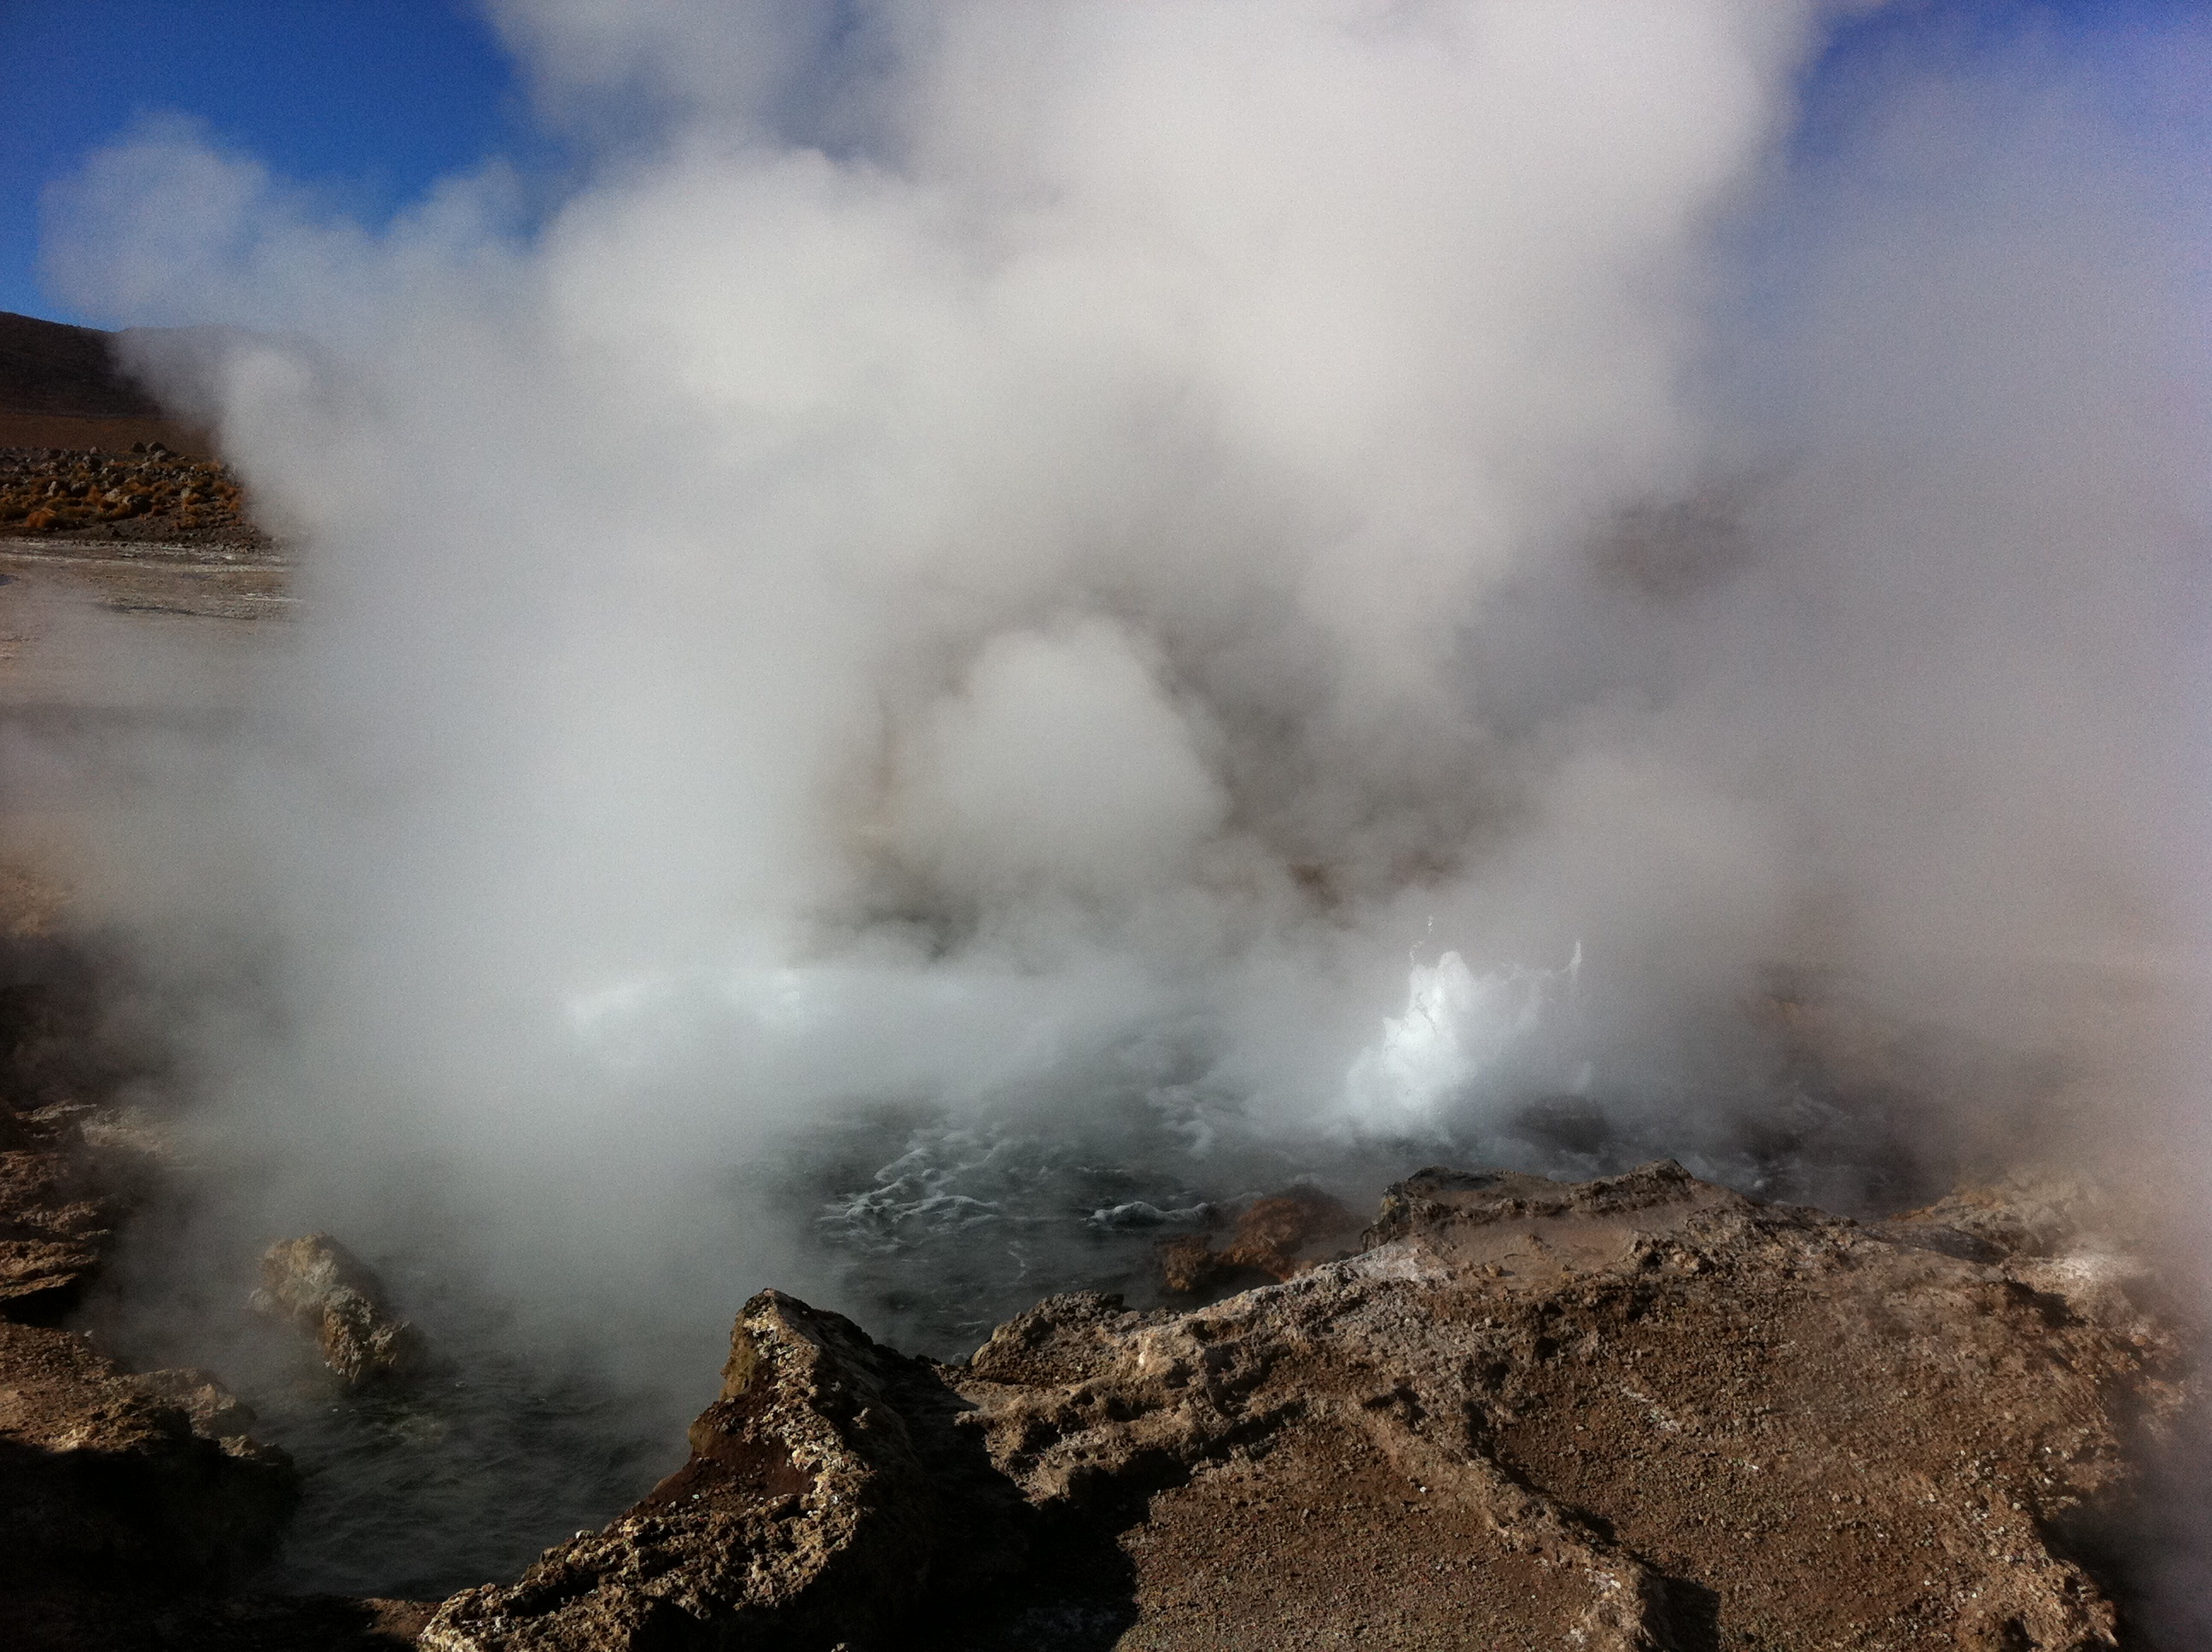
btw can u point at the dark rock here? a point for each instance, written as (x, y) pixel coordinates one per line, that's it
(320, 1284)
(1273, 1238)
(109, 1481)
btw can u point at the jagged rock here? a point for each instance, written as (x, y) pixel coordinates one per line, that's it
(807, 1514)
(317, 1283)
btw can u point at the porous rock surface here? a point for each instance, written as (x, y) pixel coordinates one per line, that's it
(1638, 1412)
(321, 1285)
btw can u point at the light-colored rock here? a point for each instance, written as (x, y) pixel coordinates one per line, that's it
(320, 1284)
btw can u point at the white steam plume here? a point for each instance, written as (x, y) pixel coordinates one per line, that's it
(992, 548)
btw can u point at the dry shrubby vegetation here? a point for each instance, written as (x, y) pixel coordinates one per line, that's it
(54, 490)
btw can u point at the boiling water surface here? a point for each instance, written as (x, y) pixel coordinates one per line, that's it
(929, 1228)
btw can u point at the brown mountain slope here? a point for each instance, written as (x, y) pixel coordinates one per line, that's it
(60, 388)
(48, 366)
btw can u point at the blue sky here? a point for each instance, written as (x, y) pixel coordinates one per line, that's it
(367, 102)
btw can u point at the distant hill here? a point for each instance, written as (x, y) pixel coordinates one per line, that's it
(48, 366)
(60, 388)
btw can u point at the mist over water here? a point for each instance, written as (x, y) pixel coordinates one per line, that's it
(1014, 622)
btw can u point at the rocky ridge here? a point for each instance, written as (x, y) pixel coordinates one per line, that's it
(1637, 1412)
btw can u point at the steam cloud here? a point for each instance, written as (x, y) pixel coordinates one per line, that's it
(990, 554)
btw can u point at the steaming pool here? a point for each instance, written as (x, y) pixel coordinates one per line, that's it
(929, 1229)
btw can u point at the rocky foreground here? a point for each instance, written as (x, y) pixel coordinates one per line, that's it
(1636, 1413)
(149, 493)
(1639, 1413)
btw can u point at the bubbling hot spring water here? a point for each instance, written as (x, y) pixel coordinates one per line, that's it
(930, 1225)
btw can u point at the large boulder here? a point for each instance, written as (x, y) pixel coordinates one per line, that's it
(318, 1284)
(1640, 1412)
(820, 1495)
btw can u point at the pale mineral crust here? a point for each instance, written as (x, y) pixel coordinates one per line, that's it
(1638, 1412)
